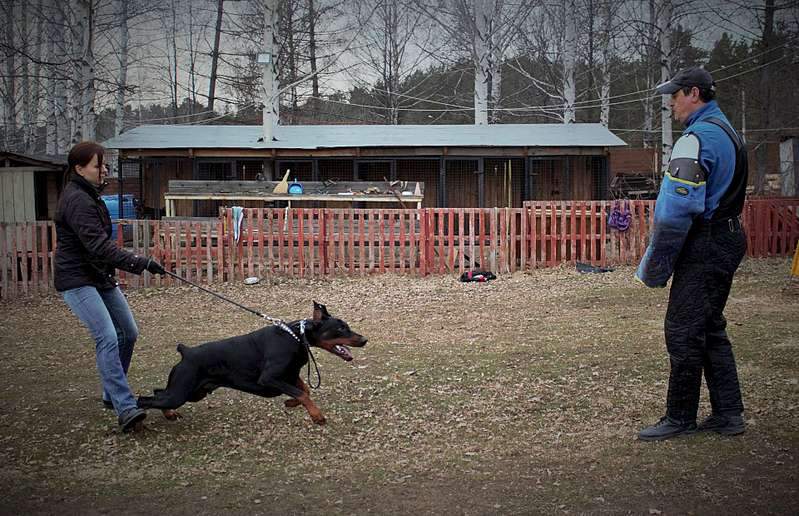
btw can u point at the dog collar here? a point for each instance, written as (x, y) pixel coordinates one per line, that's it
(285, 327)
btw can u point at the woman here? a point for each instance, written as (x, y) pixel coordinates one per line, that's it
(85, 261)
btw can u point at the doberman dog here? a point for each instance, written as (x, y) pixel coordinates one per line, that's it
(266, 362)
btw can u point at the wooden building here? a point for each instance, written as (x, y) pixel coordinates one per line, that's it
(29, 186)
(460, 165)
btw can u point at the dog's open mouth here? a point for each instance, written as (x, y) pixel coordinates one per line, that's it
(343, 352)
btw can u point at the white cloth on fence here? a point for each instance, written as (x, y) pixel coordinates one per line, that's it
(238, 216)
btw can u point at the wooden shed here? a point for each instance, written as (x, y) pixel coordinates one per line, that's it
(29, 186)
(460, 165)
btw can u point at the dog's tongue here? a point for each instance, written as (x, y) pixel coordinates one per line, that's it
(343, 352)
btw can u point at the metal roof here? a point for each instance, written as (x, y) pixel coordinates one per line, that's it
(55, 162)
(336, 136)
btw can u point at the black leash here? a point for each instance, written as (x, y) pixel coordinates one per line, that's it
(277, 322)
(223, 298)
(316, 366)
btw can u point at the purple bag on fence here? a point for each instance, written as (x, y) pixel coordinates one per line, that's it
(619, 217)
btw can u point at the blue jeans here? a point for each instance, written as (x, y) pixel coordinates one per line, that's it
(108, 318)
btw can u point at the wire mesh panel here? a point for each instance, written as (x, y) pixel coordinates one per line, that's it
(129, 177)
(462, 183)
(598, 169)
(336, 170)
(300, 170)
(211, 171)
(248, 169)
(374, 170)
(504, 183)
(548, 180)
(421, 170)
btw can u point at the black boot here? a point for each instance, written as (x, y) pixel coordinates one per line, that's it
(724, 425)
(666, 428)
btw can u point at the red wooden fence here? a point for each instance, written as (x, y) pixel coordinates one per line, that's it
(329, 242)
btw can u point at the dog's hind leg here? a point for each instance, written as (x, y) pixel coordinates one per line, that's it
(293, 402)
(181, 384)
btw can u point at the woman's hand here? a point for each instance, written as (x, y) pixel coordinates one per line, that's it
(153, 267)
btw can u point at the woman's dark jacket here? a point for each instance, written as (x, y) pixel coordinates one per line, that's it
(85, 254)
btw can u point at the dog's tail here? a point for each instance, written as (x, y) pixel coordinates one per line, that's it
(182, 349)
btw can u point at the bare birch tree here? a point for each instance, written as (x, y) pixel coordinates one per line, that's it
(483, 30)
(766, 45)
(24, 45)
(85, 17)
(59, 82)
(606, 53)
(569, 53)
(119, 118)
(665, 18)
(9, 78)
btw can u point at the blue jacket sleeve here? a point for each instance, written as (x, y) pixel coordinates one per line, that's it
(680, 200)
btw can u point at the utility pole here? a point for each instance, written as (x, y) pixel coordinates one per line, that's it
(270, 92)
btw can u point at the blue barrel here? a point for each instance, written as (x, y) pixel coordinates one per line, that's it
(128, 209)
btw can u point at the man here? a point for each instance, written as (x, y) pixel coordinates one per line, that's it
(698, 237)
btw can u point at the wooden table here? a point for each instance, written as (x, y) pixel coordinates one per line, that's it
(234, 191)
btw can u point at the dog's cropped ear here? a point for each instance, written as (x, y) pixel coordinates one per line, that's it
(319, 312)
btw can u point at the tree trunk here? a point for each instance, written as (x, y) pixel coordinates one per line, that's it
(393, 44)
(79, 18)
(290, 57)
(215, 57)
(569, 62)
(192, 62)
(175, 99)
(10, 96)
(36, 94)
(649, 51)
(26, 80)
(664, 24)
(119, 119)
(270, 87)
(51, 119)
(312, 51)
(482, 63)
(60, 80)
(497, 55)
(765, 94)
(604, 90)
(88, 94)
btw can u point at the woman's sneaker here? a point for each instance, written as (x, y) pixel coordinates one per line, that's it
(724, 425)
(129, 419)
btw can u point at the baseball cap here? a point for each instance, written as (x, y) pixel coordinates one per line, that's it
(687, 78)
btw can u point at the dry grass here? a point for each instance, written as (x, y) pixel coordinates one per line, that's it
(522, 395)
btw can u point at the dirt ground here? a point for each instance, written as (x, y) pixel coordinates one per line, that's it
(518, 396)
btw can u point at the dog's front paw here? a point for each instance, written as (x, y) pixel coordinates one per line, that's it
(171, 415)
(319, 419)
(292, 403)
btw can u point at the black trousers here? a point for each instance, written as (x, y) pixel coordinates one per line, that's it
(695, 327)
